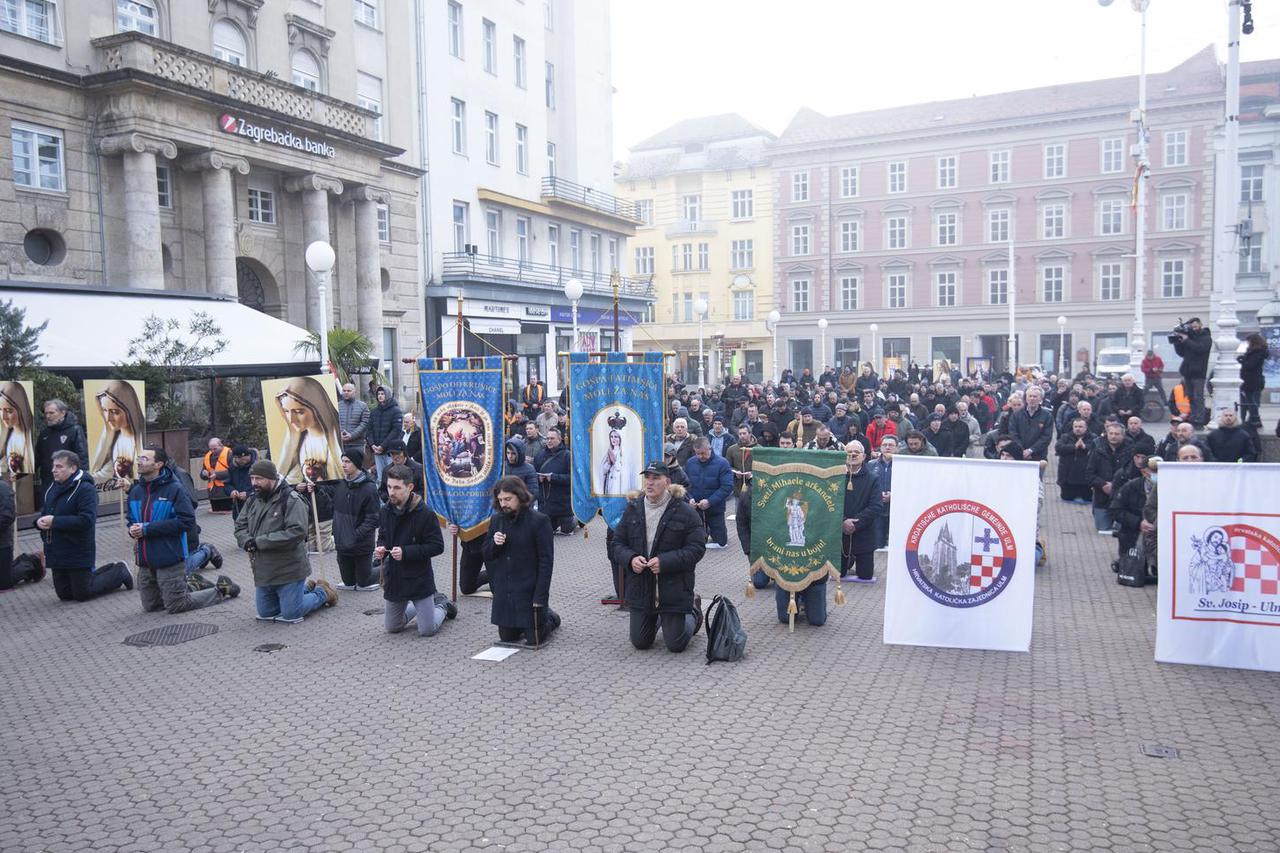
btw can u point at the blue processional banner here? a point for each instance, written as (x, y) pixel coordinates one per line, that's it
(462, 439)
(615, 429)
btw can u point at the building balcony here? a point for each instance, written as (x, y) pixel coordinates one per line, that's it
(688, 227)
(464, 267)
(133, 54)
(560, 190)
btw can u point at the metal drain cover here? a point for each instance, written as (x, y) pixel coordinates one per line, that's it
(1155, 750)
(171, 635)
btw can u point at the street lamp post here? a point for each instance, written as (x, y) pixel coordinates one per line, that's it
(875, 327)
(1062, 344)
(320, 258)
(573, 292)
(822, 354)
(701, 308)
(774, 318)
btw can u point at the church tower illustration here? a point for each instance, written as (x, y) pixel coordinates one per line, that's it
(943, 558)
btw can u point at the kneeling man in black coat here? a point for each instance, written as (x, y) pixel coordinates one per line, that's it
(660, 539)
(519, 554)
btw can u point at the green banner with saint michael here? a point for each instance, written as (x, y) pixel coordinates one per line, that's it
(797, 505)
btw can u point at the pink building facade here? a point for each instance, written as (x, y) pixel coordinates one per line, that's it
(901, 218)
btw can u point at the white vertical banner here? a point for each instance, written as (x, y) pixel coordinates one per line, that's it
(962, 553)
(1219, 559)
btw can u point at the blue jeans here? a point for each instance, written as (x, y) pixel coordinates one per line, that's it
(287, 602)
(882, 528)
(814, 599)
(382, 461)
(759, 579)
(197, 558)
(1102, 517)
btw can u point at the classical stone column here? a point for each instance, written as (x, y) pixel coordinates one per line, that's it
(368, 263)
(219, 202)
(141, 203)
(315, 190)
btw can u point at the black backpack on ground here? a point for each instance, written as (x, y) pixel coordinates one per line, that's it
(1132, 568)
(726, 638)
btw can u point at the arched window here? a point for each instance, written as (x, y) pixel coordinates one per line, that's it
(306, 70)
(137, 16)
(229, 43)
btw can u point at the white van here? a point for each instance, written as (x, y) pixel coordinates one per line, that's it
(1112, 361)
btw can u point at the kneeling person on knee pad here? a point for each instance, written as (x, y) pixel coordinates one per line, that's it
(408, 537)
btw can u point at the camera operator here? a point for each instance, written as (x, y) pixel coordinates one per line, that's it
(1193, 342)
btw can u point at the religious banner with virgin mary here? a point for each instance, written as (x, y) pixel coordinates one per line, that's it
(17, 430)
(302, 428)
(115, 425)
(615, 429)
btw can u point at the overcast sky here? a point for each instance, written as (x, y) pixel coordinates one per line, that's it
(678, 59)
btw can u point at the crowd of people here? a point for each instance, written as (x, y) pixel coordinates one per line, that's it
(377, 521)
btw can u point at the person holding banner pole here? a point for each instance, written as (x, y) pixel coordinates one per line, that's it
(863, 503)
(554, 475)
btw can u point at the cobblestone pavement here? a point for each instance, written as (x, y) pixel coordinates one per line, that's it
(349, 739)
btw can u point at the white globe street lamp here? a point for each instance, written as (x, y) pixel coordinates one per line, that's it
(774, 319)
(1062, 342)
(700, 308)
(875, 327)
(320, 259)
(822, 355)
(573, 292)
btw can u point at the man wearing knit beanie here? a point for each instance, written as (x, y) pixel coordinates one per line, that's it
(272, 530)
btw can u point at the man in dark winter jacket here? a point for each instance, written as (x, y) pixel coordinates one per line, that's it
(710, 485)
(1139, 437)
(353, 418)
(409, 537)
(67, 524)
(62, 432)
(519, 466)
(1229, 442)
(238, 485)
(160, 514)
(659, 541)
(385, 421)
(1128, 503)
(863, 503)
(554, 472)
(520, 557)
(1032, 425)
(1110, 452)
(1127, 400)
(355, 523)
(398, 454)
(938, 435)
(1073, 448)
(1195, 346)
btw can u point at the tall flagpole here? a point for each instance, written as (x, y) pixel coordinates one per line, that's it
(1013, 301)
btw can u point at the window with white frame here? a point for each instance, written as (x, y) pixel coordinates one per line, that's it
(522, 149)
(898, 176)
(1053, 218)
(644, 209)
(1173, 278)
(366, 12)
(946, 288)
(644, 260)
(369, 96)
(553, 245)
(461, 216)
(692, 205)
(262, 206)
(744, 305)
(1251, 183)
(896, 290)
(138, 16)
(999, 167)
(800, 186)
(799, 294)
(675, 257)
(1111, 216)
(947, 172)
(944, 228)
(848, 181)
(493, 234)
(895, 232)
(1051, 280)
(704, 256)
(849, 286)
(594, 248)
(491, 138)
(743, 204)
(455, 28)
(1173, 212)
(742, 254)
(1175, 148)
(1113, 154)
(1109, 281)
(1251, 259)
(550, 82)
(384, 223)
(998, 286)
(35, 19)
(1055, 160)
(551, 161)
(518, 60)
(488, 45)
(38, 158)
(850, 235)
(164, 187)
(998, 225)
(306, 70)
(800, 239)
(229, 43)
(575, 249)
(459, 126)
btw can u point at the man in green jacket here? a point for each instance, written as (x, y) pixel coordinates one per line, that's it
(272, 530)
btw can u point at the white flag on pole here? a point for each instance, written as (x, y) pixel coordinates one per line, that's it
(962, 553)
(1219, 559)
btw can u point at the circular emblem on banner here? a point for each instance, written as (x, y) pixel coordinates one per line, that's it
(961, 553)
(462, 434)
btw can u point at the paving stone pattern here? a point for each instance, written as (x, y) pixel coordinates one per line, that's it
(349, 739)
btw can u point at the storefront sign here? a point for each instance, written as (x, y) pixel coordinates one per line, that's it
(240, 126)
(591, 316)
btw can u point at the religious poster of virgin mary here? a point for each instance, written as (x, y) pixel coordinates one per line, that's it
(115, 426)
(302, 427)
(17, 432)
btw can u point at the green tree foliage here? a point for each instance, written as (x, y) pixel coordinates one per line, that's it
(350, 352)
(19, 343)
(167, 354)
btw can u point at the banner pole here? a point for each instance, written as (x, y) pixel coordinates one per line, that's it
(454, 572)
